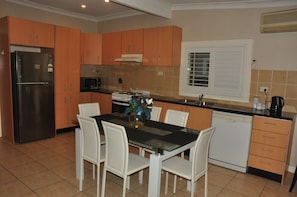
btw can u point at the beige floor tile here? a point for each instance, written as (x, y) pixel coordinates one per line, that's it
(27, 169)
(13, 188)
(15, 160)
(6, 176)
(58, 189)
(230, 193)
(245, 187)
(47, 168)
(39, 180)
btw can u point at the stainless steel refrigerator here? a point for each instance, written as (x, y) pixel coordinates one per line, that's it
(33, 95)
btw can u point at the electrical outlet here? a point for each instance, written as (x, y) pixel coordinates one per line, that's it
(263, 89)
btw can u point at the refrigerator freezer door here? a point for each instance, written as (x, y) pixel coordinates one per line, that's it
(34, 67)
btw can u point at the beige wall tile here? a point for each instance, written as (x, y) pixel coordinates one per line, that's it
(265, 76)
(279, 77)
(291, 91)
(292, 77)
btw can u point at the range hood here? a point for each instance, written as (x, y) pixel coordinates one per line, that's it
(129, 58)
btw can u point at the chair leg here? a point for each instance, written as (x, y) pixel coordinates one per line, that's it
(98, 179)
(94, 170)
(174, 184)
(205, 184)
(124, 185)
(81, 173)
(294, 180)
(192, 188)
(166, 182)
(103, 182)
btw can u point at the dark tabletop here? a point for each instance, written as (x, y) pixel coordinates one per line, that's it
(153, 135)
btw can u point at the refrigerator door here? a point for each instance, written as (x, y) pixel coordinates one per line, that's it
(33, 94)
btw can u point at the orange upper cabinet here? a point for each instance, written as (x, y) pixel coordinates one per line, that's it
(91, 48)
(162, 46)
(111, 47)
(30, 33)
(132, 41)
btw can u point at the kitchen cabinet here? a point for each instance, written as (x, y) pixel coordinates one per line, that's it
(91, 48)
(112, 47)
(6, 108)
(269, 145)
(132, 41)
(31, 33)
(104, 101)
(85, 97)
(199, 118)
(162, 46)
(67, 67)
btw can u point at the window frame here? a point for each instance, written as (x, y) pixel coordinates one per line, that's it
(242, 49)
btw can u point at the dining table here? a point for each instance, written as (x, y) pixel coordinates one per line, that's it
(164, 140)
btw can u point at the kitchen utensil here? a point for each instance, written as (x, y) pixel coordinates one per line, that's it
(277, 104)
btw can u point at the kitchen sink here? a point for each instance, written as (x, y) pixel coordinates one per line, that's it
(196, 102)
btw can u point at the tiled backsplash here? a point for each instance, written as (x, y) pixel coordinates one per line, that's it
(163, 80)
(279, 83)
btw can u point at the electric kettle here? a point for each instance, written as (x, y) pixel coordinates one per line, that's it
(277, 104)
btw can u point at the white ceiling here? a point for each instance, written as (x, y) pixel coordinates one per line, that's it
(98, 10)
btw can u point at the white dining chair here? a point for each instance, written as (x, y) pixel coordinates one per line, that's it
(89, 110)
(178, 118)
(118, 159)
(194, 169)
(155, 113)
(175, 117)
(91, 148)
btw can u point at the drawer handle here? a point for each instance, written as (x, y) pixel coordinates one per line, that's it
(268, 137)
(267, 150)
(270, 123)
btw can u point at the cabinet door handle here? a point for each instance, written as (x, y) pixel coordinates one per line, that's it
(270, 123)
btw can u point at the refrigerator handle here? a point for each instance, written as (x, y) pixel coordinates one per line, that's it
(33, 83)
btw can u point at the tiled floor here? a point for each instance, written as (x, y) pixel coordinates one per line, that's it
(47, 168)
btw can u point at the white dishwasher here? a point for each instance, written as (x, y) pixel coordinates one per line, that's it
(229, 146)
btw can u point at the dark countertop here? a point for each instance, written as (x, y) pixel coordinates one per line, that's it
(216, 106)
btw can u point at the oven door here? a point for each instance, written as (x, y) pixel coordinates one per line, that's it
(119, 106)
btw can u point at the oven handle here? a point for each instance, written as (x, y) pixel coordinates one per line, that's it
(120, 103)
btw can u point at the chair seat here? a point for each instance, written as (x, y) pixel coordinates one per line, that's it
(179, 166)
(136, 163)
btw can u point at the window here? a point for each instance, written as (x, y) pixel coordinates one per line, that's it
(217, 69)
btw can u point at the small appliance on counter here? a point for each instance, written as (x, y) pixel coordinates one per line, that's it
(90, 83)
(277, 104)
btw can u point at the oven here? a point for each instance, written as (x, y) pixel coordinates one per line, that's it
(120, 100)
(119, 106)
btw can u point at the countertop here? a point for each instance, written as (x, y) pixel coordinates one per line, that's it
(216, 106)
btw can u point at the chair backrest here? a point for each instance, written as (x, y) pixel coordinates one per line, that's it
(90, 139)
(117, 150)
(178, 118)
(200, 155)
(155, 113)
(89, 109)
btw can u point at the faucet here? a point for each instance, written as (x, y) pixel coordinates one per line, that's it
(200, 98)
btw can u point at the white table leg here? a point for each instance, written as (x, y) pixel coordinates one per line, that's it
(154, 176)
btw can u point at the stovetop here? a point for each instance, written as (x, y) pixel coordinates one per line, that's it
(126, 95)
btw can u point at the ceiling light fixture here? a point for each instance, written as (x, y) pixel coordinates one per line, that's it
(106, 1)
(83, 6)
